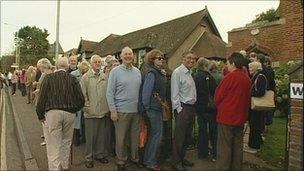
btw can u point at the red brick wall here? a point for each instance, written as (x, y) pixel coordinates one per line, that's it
(285, 40)
(295, 157)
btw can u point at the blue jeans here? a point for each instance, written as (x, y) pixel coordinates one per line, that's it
(155, 133)
(207, 131)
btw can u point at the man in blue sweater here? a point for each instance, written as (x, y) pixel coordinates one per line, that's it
(122, 97)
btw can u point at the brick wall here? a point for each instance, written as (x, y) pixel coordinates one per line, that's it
(285, 40)
(295, 157)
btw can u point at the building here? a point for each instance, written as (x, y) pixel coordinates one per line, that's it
(282, 39)
(52, 49)
(195, 31)
(86, 48)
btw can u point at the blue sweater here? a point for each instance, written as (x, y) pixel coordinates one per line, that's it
(123, 89)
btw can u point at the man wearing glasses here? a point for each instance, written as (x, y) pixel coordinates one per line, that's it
(183, 97)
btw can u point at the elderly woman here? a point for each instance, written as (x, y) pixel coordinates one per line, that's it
(153, 95)
(79, 136)
(205, 88)
(44, 66)
(256, 118)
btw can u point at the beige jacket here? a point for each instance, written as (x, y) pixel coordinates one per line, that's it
(94, 90)
(30, 78)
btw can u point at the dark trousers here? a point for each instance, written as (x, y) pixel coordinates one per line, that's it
(182, 133)
(22, 89)
(256, 119)
(14, 88)
(207, 131)
(269, 117)
(229, 147)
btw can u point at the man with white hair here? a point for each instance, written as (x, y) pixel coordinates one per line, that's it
(122, 96)
(60, 98)
(96, 111)
(72, 63)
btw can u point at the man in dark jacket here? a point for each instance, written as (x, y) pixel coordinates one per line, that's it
(60, 98)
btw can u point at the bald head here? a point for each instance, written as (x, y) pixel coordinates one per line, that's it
(127, 55)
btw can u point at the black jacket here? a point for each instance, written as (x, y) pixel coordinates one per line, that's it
(202, 79)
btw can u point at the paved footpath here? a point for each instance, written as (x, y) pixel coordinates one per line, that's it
(33, 130)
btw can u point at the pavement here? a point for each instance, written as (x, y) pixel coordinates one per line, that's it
(32, 130)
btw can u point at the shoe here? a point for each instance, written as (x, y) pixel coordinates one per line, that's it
(138, 164)
(43, 143)
(89, 164)
(154, 168)
(121, 167)
(187, 163)
(103, 160)
(250, 150)
(42, 136)
(28, 102)
(179, 167)
(213, 160)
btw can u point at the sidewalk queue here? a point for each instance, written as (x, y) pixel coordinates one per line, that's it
(120, 111)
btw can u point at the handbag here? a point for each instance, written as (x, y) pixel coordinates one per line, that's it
(265, 102)
(211, 104)
(143, 133)
(166, 110)
(165, 106)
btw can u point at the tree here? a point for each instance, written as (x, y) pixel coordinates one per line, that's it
(5, 63)
(269, 15)
(33, 44)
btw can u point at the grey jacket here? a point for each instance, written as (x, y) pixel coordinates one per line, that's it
(94, 90)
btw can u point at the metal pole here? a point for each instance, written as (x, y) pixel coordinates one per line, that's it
(17, 51)
(57, 29)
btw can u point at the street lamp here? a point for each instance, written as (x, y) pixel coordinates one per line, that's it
(17, 60)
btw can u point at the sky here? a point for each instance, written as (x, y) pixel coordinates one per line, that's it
(95, 20)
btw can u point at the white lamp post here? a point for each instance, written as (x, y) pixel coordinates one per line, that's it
(17, 60)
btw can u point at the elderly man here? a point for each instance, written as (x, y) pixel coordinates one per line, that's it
(60, 98)
(72, 63)
(30, 79)
(183, 97)
(94, 85)
(122, 96)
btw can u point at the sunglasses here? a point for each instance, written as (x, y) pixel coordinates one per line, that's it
(160, 58)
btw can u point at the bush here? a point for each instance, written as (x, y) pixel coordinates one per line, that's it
(282, 86)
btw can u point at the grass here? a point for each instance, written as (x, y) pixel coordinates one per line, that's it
(273, 150)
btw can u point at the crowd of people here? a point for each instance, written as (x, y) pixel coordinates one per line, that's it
(104, 104)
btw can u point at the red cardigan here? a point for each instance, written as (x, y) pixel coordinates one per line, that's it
(232, 97)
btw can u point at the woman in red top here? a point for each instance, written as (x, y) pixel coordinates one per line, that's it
(232, 101)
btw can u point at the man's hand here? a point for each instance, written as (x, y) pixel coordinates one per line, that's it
(114, 116)
(42, 120)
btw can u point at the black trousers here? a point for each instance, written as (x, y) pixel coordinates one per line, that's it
(256, 124)
(182, 133)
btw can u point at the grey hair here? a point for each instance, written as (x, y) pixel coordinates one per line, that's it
(255, 66)
(93, 57)
(124, 49)
(44, 63)
(84, 65)
(203, 64)
(62, 63)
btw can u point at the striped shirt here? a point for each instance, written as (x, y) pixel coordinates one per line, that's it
(59, 90)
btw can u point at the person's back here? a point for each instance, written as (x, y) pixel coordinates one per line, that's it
(233, 103)
(61, 92)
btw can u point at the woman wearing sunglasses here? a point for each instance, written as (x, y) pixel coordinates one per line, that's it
(153, 95)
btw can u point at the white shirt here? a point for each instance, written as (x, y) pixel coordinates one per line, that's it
(183, 88)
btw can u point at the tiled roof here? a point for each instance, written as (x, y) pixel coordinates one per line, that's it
(166, 36)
